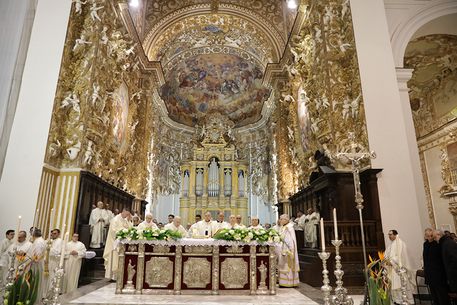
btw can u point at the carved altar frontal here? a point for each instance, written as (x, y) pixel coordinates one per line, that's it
(196, 267)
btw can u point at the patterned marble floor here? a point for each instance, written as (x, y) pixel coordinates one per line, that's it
(105, 295)
(102, 293)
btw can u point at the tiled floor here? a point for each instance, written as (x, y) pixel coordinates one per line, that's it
(102, 292)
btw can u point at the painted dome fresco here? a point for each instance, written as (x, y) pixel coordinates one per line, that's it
(214, 83)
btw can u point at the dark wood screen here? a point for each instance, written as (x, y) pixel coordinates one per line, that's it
(93, 189)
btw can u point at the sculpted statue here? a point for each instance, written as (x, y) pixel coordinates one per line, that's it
(130, 271)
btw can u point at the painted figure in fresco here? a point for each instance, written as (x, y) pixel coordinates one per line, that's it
(214, 83)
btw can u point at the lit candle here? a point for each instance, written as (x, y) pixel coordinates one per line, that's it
(51, 222)
(398, 250)
(35, 220)
(62, 255)
(16, 234)
(322, 235)
(334, 223)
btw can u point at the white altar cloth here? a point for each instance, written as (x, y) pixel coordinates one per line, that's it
(193, 242)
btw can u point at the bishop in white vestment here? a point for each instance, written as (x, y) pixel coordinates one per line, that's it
(395, 252)
(97, 222)
(288, 265)
(74, 254)
(147, 224)
(110, 254)
(176, 226)
(206, 227)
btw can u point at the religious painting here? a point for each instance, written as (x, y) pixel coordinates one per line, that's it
(303, 120)
(215, 29)
(163, 170)
(214, 83)
(120, 112)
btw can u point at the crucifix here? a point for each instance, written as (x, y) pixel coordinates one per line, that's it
(356, 158)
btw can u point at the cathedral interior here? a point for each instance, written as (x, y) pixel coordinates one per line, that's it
(179, 107)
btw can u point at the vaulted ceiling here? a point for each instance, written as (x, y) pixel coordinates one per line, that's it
(213, 53)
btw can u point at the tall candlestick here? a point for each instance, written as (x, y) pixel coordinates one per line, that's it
(334, 223)
(398, 251)
(51, 222)
(62, 255)
(16, 234)
(322, 235)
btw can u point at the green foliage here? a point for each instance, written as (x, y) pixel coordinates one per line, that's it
(24, 290)
(248, 235)
(378, 281)
(148, 234)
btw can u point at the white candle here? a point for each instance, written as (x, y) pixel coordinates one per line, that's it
(35, 220)
(398, 250)
(51, 222)
(334, 223)
(62, 255)
(322, 235)
(16, 234)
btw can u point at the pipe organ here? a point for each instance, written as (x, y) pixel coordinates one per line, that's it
(213, 179)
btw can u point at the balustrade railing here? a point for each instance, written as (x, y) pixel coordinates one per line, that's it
(349, 233)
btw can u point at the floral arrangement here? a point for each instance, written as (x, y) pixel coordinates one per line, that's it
(24, 290)
(248, 235)
(378, 281)
(148, 234)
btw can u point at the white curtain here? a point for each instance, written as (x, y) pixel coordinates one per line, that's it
(16, 21)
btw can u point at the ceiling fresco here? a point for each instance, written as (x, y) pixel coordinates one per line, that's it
(214, 83)
(213, 53)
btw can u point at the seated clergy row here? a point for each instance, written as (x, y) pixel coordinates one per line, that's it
(75, 251)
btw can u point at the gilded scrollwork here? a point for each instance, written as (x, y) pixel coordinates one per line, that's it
(234, 249)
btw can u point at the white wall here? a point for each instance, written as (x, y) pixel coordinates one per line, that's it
(387, 129)
(24, 158)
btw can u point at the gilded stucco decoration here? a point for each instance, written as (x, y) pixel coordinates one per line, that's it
(322, 100)
(433, 86)
(271, 12)
(99, 121)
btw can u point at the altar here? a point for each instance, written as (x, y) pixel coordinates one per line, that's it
(196, 266)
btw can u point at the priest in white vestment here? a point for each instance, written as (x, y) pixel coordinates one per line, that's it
(300, 221)
(8, 241)
(198, 218)
(277, 226)
(238, 222)
(109, 215)
(287, 253)
(220, 223)
(110, 254)
(74, 254)
(232, 223)
(255, 224)
(38, 250)
(148, 223)
(392, 253)
(97, 222)
(205, 227)
(23, 245)
(176, 226)
(54, 246)
(311, 220)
